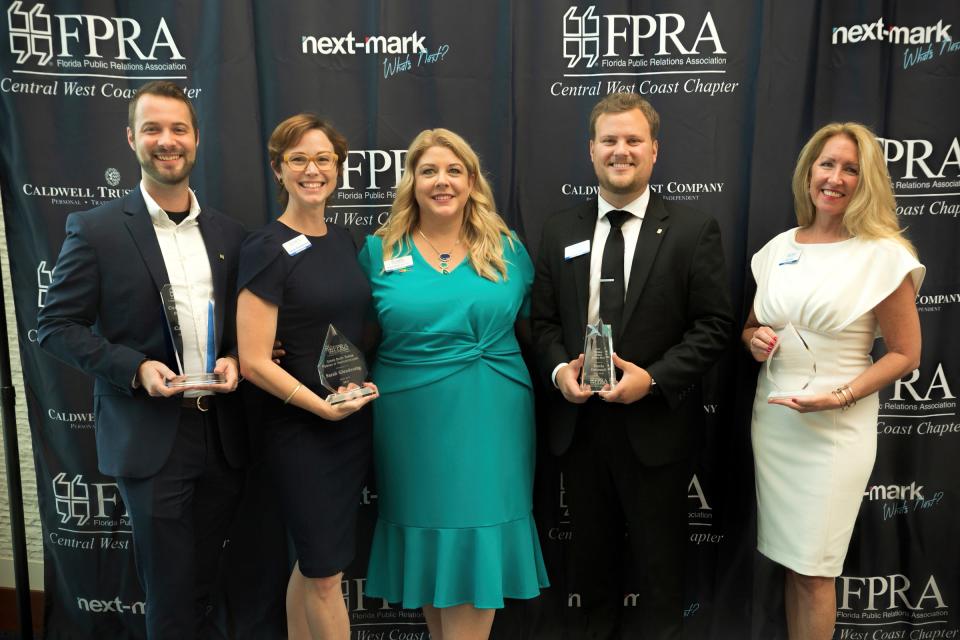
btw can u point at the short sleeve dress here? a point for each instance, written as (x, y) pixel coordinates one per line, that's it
(453, 435)
(812, 469)
(319, 467)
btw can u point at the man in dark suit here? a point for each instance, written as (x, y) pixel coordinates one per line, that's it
(655, 272)
(175, 453)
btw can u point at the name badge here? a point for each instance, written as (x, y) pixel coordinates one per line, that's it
(403, 262)
(574, 250)
(791, 258)
(296, 245)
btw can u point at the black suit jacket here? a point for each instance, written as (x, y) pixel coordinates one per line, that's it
(103, 315)
(677, 320)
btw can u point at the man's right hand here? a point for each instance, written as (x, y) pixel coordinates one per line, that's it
(568, 381)
(153, 375)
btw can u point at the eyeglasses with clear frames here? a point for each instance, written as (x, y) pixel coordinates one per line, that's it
(299, 161)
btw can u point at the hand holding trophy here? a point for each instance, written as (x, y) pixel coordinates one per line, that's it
(342, 366)
(791, 366)
(203, 325)
(599, 373)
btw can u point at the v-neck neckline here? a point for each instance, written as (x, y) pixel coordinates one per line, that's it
(430, 265)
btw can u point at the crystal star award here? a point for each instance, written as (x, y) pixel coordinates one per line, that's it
(791, 366)
(342, 366)
(206, 357)
(598, 372)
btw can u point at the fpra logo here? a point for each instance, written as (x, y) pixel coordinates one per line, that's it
(700, 514)
(917, 155)
(625, 33)
(938, 381)
(370, 179)
(885, 601)
(32, 34)
(924, 399)
(581, 37)
(72, 499)
(44, 280)
(78, 501)
(888, 596)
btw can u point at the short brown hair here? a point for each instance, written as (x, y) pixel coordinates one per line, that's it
(290, 131)
(166, 89)
(620, 102)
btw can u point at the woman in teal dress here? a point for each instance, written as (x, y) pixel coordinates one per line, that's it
(453, 428)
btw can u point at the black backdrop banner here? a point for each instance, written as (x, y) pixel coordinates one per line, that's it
(740, 87)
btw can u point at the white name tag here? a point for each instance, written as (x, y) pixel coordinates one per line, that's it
(296, 245)
(397, 263)
(791, 258)
(575, 250)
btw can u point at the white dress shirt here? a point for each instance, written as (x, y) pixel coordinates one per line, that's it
(188, 268)
(631, 232)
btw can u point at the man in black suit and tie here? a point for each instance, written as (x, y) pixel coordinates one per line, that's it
(653, 270)
(175, 453)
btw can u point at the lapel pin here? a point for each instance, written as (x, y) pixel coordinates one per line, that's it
(659, 230)
(222, 258)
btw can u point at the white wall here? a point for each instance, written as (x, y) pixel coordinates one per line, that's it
(28, 474)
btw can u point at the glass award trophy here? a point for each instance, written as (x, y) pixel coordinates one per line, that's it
(598, 372)
(341, 365)
(791, 366)
(207, 358)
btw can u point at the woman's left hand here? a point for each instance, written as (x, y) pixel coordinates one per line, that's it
(808, 404)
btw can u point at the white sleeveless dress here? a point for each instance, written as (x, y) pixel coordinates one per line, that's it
(812, 469)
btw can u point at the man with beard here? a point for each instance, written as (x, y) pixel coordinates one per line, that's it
(654, 271)
(175, 452)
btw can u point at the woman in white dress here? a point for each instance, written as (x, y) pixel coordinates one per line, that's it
(843, 277)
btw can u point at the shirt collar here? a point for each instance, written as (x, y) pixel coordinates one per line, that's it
(159, 217)
(637, 207)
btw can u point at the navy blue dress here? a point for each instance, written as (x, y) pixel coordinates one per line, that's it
(319, 467)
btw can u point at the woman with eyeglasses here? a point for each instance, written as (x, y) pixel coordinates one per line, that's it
(297, 276)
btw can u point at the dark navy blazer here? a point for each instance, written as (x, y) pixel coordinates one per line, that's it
(103, 315)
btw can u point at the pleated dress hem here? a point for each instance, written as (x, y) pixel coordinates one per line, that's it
(446, 567)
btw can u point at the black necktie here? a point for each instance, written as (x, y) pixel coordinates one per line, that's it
(612, 285)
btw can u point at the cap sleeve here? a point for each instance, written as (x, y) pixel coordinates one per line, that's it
(262, 269)
(883, 266)
(371, 256)
(522, 269)
(760, 265)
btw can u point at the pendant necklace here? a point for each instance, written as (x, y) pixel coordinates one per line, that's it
(444, 256)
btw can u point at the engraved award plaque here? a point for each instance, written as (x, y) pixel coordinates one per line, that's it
(203, 324)
(791, 366)
(341, 365)
(598, 372)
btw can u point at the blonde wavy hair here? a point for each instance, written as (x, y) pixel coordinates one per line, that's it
(872, 212)
(482, 228)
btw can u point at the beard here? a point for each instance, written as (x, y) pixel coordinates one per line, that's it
(165, 176)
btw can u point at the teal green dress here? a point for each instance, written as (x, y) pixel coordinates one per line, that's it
(453, 436)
